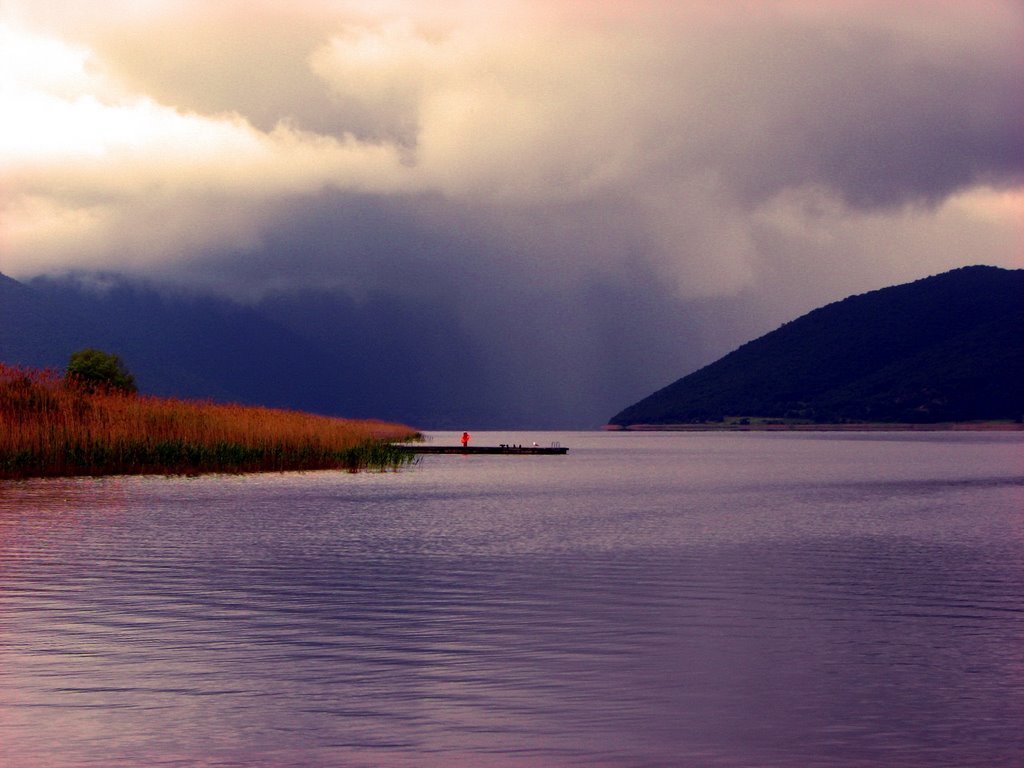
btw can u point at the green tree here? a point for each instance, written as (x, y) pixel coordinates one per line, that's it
(93, 370)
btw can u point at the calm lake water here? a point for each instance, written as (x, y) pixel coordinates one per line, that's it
(647, 600)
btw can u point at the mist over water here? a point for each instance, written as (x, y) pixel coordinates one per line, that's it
(649, 599)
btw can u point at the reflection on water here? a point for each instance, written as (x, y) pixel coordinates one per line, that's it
(646, 600)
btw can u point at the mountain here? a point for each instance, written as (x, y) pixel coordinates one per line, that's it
(550, 359)
(174, 345)
(946, 348)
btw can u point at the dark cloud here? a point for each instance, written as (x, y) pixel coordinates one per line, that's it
(880, 114)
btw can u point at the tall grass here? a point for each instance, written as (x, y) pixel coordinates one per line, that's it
(49, 428)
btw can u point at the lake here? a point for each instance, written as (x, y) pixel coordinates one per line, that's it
(664, 599)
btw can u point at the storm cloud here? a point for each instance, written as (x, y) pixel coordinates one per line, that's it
(599, 197)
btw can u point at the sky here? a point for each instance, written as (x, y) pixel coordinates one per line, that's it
(564, 178)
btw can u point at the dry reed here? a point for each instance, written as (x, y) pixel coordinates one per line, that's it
(48, 429)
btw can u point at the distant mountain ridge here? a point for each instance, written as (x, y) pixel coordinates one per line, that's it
(341, 359)
(945, 348)
(434, 362)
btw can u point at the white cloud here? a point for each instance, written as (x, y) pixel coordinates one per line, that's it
(86, 166)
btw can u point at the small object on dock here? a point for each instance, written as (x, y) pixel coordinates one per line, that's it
(513, 450)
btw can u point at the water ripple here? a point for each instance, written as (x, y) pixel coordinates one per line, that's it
(709, 603)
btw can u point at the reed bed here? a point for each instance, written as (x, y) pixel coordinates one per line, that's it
(49, 428)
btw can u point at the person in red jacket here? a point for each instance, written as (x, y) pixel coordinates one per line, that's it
(465, 439)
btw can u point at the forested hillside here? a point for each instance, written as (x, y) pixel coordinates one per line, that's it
(946, 348)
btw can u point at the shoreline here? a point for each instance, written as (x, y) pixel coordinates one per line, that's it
(864, 427)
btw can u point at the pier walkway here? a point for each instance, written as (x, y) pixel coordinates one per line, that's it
(512, 450)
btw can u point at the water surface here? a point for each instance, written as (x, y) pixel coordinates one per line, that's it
(649, 599)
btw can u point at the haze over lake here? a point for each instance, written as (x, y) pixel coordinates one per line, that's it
(649, 599)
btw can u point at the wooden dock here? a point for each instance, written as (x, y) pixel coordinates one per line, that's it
(503, 450)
